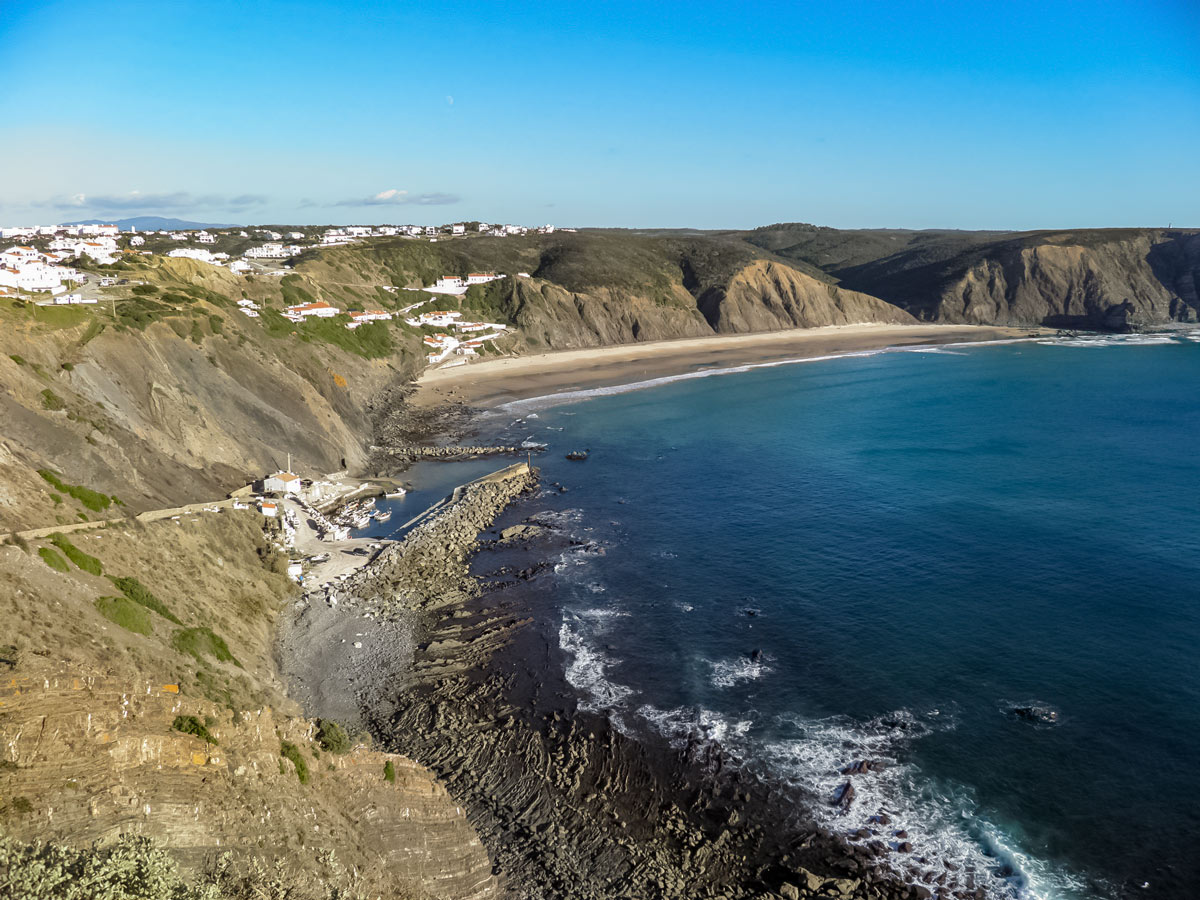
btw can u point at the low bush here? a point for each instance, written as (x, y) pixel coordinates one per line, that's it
(139, 593)
(202, 642)
(389, 771)
(131, 868)
(15, 540)
(193, 725)
(332, 737)
(124, 612)
(53, 559)
(292, 753)
(85, 561)
(52, 401)
(93, 500)
(9, 655)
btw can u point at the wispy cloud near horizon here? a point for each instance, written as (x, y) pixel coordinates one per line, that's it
(396, 197)
(180, 201)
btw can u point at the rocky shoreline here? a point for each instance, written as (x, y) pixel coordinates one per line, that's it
(450, 667)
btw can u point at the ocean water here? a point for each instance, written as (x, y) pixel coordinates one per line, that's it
(915, 543)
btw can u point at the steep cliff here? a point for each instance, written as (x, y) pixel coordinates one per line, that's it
(165, 716)
(769, 296)
(1101, 279)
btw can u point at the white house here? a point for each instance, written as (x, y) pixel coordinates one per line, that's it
(136, 241)
(282, 483)
(431, 230)
(450, 281)
(296, 235)
(320, 309)
(458, 229)
(482, 277)
(270, 251)
(205, 238)
(238, 266)
(482, 227)
(197, 253)
(361, 317)
(269, 509)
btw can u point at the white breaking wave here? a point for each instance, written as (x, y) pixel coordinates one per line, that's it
(1115, 340)
(586, 672)
(943, 824)
(728, 672)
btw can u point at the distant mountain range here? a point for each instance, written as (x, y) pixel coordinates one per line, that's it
(151, 223)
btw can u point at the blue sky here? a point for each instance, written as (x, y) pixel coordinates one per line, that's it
(924, 114)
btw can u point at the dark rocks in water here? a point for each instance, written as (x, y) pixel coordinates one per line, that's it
(881, 819)
(1035, 713)
(756, 655)
(750, 612)
(577, 455)
(863, 767)
(844, 796)
(904, 847)
(562, 488)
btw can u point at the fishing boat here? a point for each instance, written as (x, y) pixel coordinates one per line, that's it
(577, 455)
(382, 515)
(395, 493)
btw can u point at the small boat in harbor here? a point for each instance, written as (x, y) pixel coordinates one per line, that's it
(382, 515)
(395, 493)
(578, 455)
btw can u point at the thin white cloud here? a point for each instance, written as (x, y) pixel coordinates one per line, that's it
(136, 200)
(397, 197)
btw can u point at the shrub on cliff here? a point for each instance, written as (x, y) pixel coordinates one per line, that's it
(53, 560)
(332, 737)
(202, 642)
(139, 593)
(291, 753)
(389, 771)
(132, 868)
(124, 612)
(195, 726)
(85, 561)
(93, 500)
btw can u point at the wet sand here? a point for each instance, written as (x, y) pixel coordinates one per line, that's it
(492, 382)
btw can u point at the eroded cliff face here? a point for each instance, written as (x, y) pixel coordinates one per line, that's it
(550, 317)
(91, 744)
(770, 296)
(158, 419)
(1106, 279)
(1112, 285)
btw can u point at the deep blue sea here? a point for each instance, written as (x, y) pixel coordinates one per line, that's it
(917, 543)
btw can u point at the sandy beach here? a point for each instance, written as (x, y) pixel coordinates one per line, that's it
(491, 382)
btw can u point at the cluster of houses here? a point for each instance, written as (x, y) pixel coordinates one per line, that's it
(26, 269)
(440, 345)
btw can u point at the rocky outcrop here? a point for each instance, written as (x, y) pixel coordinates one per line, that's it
(551, 317)
(92, 758)
(770, 296)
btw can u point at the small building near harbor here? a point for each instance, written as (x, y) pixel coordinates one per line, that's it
(269, 509)
(282, 483)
